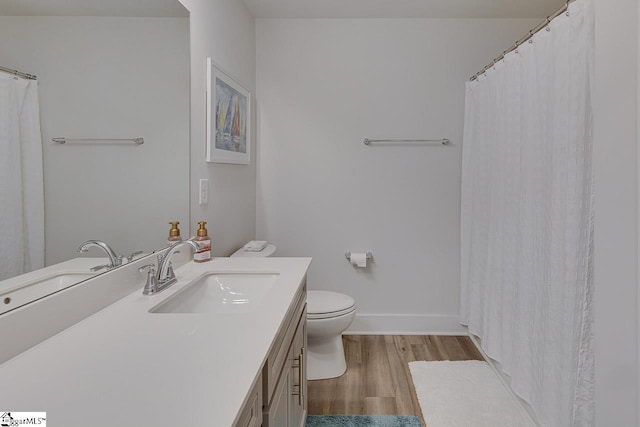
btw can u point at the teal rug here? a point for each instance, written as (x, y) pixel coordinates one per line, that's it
(363, 421)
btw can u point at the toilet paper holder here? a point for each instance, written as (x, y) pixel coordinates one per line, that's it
(348, 255)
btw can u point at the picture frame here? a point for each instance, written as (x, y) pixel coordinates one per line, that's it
(228, 118)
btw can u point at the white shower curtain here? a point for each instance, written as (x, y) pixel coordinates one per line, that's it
(21, 178)
(527, 217)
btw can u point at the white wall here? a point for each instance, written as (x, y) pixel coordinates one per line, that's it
(616, 218)
(323, 86)
(224, 31)
(102, 77)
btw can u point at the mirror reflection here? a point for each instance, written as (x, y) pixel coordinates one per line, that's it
(106, 74)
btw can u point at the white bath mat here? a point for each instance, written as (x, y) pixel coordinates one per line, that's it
(465, 394)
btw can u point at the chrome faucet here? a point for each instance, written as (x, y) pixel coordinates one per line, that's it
(165, 276)
(114, 260)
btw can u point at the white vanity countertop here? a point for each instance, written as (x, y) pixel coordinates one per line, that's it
(126, 366)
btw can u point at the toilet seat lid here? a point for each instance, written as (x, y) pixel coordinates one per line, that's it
(328, 303)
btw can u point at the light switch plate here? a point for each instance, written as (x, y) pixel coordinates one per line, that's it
(204, 191)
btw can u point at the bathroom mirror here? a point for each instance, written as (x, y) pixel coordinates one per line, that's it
(107, 71)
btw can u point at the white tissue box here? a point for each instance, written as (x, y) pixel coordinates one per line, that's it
(255, 245)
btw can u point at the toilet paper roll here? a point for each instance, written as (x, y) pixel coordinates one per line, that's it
(359, 259)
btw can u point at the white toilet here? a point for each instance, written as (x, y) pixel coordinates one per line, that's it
(329, 314)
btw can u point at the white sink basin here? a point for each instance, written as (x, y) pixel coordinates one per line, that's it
(29, 292)
(220, 293)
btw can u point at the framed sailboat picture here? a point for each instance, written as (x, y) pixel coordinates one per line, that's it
(228, 118)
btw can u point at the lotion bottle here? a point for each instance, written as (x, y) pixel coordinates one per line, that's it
(174, 233)
(204, 241)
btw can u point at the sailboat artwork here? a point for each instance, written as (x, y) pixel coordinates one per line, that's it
(231, 111)
(228, 119)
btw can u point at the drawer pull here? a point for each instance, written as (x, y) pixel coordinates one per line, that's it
(301, 377)
(300, 365)
(297, 365)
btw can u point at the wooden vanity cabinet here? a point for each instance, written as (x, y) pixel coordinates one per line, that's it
(285, 372)
(279, 397)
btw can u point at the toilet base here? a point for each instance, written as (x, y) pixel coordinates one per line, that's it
(325, 357)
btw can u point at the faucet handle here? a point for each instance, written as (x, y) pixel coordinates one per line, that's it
(99, 267)
(133, 255)
(149, 267)
(151, 285)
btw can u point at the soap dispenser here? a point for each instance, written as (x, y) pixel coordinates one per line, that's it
(204, 241)
(174, 233)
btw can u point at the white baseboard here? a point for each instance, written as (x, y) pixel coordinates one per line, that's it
(406, 324)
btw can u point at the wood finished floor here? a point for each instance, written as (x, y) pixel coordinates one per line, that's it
(378, 381)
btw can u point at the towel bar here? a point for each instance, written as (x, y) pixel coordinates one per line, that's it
(443, 141)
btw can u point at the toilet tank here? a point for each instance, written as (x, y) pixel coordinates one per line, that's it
(267, 251)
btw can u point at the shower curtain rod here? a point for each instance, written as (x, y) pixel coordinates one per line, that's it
(18, 73)
(530, 34)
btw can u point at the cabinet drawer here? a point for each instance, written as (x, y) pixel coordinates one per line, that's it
(278, 354)
(298, 374)
(276, 414)
(251, 415)
(288, 404)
